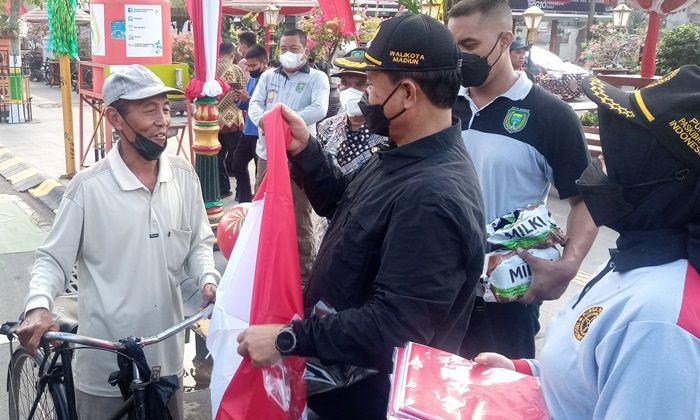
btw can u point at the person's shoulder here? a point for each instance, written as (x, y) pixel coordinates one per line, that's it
(664, 301)
(543, 99)
(178, 163)
(318, 75)
(87, 177)
(333, 121)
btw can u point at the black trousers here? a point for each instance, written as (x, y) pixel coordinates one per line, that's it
(505, 328)
(228, 141)
(244, 153)
(368, 399)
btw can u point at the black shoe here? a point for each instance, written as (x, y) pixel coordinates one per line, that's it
(226, 194)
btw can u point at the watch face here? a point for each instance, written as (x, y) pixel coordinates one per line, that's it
(285, 341)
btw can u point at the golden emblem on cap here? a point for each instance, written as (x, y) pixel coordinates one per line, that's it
(344, 62)
(598, 89)
(584, 321)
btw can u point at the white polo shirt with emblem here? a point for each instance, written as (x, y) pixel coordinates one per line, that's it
(306, 91)
(133, 249)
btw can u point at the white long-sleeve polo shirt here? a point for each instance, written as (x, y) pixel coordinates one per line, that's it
(133, 249)
(306, 91)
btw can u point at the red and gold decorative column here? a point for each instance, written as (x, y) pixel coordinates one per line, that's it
(206, 147)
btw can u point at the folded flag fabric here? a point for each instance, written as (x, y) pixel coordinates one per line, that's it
(261, 285)
(432, 384)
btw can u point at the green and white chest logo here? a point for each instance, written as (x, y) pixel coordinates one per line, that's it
(516, 119)
(300, 87)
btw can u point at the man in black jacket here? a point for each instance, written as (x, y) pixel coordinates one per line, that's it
(404, 249)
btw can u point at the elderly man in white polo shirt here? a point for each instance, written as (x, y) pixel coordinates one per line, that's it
(136, 226)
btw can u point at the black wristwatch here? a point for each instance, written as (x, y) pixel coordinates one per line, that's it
(286, 341)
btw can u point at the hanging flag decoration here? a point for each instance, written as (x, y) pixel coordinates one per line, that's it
(205, 15)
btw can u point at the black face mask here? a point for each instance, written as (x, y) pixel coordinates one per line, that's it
(605, 199)
(375, 120)
(476, 69)
(255, 74)
(145, 147)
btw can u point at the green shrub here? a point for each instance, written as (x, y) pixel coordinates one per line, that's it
(589, 119)
(678, 46)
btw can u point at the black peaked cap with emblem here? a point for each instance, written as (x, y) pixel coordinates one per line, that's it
(354, 53)
(669, 108)
(409, 42)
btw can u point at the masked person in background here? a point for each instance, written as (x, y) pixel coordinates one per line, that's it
(628, 345)
(256, 57)
(306, 91)
(345, 136)
(522, 140)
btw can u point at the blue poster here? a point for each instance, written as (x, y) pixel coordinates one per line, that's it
(118, 29)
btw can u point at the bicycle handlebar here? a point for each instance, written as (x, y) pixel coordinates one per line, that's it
(116, 345)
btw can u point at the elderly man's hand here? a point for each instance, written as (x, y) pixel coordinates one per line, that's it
(258, 343)
(208, 295)
(549, 278)
(36, 323)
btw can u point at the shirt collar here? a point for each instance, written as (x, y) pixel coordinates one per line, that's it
(126, 179)
(305, 69)
(397, 158)
(517, 92)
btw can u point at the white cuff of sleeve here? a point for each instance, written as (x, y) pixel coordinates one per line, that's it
(209, 278)
(38, 302)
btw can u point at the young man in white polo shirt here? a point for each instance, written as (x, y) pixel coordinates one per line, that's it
(135, 225)
(305, 90)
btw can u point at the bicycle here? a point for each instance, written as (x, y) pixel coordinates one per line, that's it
(29, 378)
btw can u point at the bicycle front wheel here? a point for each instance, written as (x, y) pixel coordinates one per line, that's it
(23, 386)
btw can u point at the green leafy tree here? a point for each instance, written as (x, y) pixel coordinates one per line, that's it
(678, 46)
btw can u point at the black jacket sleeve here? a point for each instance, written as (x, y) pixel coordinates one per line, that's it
(422, 270)
(322, 181)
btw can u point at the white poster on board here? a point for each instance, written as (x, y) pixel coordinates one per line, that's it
(144, 30)
(97, 27)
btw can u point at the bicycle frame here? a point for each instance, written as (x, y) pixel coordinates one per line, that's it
(62, 374)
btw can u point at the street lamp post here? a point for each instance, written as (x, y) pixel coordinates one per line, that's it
(532, 17)
(621, 15)
(270, 17)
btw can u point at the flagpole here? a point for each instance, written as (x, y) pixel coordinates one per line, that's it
(67, 106)
(63, 41)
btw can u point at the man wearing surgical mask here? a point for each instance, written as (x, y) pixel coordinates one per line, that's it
(522, 140)
(306, 91)
(345, 135)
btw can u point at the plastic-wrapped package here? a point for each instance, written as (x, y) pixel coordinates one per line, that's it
(321, 377)
(531, 227)
(432, 384)
(507, 276)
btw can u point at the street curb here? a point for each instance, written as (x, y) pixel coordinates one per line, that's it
(26, 178)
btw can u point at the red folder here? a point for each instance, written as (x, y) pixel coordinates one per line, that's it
(432, 384)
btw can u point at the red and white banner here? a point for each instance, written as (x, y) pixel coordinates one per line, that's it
(261, 285)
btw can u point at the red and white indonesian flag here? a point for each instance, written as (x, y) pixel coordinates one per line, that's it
(261, 285)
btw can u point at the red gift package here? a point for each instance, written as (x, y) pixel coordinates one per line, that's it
(431, 384)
